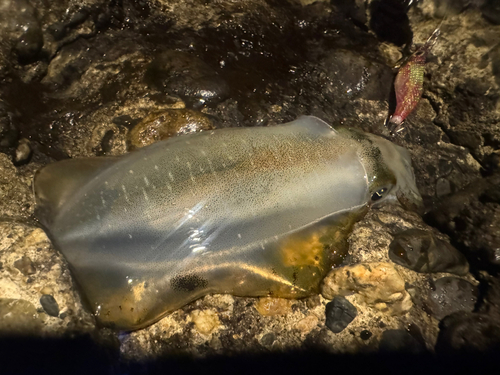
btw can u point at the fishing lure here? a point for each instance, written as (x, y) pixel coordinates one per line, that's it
(409, 83)
(247, 211)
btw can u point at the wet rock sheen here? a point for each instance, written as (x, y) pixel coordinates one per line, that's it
(451, 294)
(183, 74)
(421, 251)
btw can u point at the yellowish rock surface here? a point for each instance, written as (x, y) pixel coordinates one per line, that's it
(269, 306)
(307, 324)
(378, 284)
(206, 321)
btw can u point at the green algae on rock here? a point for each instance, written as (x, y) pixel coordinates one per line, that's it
(246, 211)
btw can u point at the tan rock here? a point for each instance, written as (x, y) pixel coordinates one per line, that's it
(307, 324)
(206, 321)
(378, 284)
(269, 306)
(166, 124)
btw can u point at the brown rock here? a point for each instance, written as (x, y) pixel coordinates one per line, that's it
(166, 124)
(25, 265)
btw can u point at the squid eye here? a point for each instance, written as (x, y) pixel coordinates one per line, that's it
(379, 194)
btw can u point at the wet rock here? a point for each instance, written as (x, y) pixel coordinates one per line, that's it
(490, 303)
(468, 332)
(50, 305)
(8, 131)
(347, 74)
(183, 74)
(58, 30)
(451, 294)
(494, 56)
(443, 187)
(379, 285)
(471, 217)
(25, 265)
(269, 306)
(21, 28)
(30, 43)
(339, 313)
(421, 251)
(51, 277)
(105, 69)
(491, 11)
(469, 139)
(471, 113)
(400, 340)
(206, 321)
(18, 316)
(15, 194)
(260, 49)
(353, 9)
(390, 21)
(166, 124)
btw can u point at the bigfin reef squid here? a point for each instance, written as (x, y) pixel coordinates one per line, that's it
(261, 211)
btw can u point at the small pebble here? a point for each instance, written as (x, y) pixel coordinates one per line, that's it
(50, 305)
(23, 151)
(268, 339)
(339, 314)
(365, 334)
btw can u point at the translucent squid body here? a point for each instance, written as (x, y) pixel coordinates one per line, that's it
(248, 211)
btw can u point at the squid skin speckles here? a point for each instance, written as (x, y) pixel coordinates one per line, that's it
(409, 84)
(248, 211)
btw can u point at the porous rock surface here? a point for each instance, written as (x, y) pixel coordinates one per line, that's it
(79, 76)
